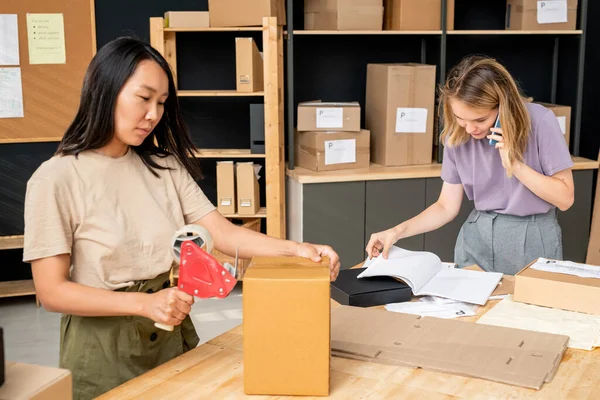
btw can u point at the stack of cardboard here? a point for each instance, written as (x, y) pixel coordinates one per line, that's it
(237, 188)
(400, 103)
(187, 19)
(343, 15)
(533, 15)
(330, 138)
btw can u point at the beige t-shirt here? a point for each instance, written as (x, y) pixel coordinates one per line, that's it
(112, 215)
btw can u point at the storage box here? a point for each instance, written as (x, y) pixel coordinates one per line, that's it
(417, 15)
(563, 114)
(541, 15)
(226, 198)
(400, 102)
(226, 13)
(557, 290)
(249, 73)
(317, 116)
(328, 151)
(248, 195)
(343, 15)
(286, 312)
(348, 290)
(28, 381)
(187, 19)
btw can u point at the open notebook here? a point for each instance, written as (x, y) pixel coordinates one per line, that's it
(427, 275)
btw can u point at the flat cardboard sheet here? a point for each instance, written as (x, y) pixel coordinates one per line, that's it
(507, 355)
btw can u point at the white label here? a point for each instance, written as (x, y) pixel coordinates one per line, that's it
(551, 11)
(330, 117)
(562, 121)
(226, 202)
(411, 120)
(9, 39)
(11, 93)
(245, 203)
(340, 151)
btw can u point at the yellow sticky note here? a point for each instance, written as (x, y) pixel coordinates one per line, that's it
(46, 38)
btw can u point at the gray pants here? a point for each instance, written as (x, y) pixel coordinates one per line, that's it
(507, 243)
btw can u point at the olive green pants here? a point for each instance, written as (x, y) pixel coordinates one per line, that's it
(104, 352)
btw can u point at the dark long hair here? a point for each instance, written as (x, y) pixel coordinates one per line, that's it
(94, 123)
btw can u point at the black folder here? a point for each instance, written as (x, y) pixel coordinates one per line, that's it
(349, 290)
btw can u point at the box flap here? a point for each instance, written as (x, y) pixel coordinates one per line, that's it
(507, 355)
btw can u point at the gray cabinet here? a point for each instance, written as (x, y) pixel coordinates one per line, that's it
(390, 202)
(575, 222)
(442, 240)
(345, 214)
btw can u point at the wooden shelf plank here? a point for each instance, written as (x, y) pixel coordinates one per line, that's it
(216, 93)
(30, 140)
(514, 32)
(262, 213)
(216, 29)
(364, 32)
(377, 172)
(11, 242)
(17, 288)
(227, 153)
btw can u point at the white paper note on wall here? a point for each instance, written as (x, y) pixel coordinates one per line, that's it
(46, 38)
(9, 39)
(411, 120)
(330, 117)
(562, 121)
(11, 93)
(340, 151)
(551, 11)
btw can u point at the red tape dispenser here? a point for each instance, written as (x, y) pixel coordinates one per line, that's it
(200, 274)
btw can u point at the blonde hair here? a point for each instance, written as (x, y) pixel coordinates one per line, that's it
(483, 83)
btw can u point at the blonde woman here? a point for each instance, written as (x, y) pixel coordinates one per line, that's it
(518, 175)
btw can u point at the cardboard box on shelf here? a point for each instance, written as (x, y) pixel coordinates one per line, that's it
(248, 195)
(286, 327)
(187, 19)
(400, 102)
(563, 115)
(343, 15)
(226, 196)
(417, 15)
(317, 116)
(549, 288)
(232, 13)
(328, 151)
(28, 381)
(535, 15)
(249, 73)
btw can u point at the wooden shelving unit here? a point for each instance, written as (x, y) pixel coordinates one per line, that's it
(164, 40)
(11, 242)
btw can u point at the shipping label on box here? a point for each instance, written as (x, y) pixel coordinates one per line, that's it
(411, 120)
(551, 11)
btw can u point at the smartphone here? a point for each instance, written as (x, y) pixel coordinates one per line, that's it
(496, 125)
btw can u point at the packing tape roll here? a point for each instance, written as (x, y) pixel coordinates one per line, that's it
(196, 233)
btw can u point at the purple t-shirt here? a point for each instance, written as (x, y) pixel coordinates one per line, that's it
(478, 167)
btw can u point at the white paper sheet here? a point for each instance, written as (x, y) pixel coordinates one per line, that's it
(411, 120)
(583, 329)
(567, 268)
(330, 117)
(427, 309)
(551, 11)
(464, 285)
(9, 39)
(562, 122)
(11, 93)
(341, 151)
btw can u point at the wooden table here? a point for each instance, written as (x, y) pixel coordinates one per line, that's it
(215, 371)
